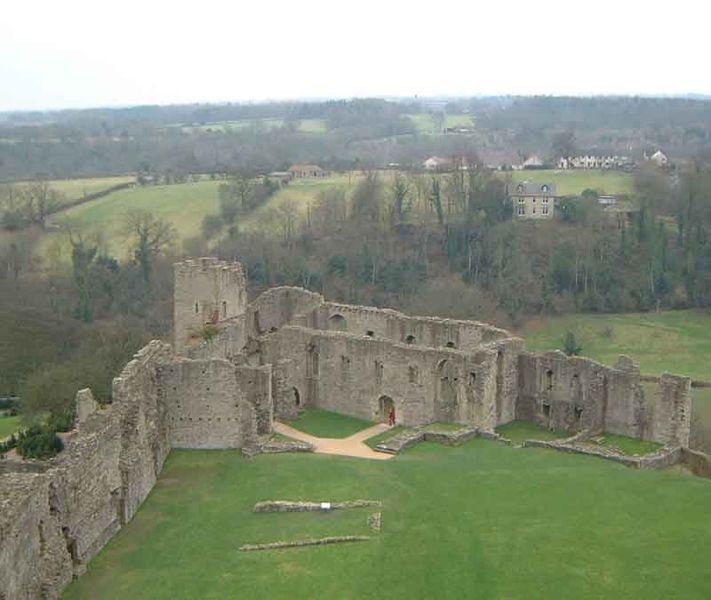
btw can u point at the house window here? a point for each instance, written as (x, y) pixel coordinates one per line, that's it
(545, 200)
(521, 210)
(534, 210)
(544, 188)
(545, 210)
(534, 200)
(521, 200)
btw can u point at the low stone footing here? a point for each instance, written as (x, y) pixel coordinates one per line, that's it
(272, 506)
(307, 542)
(275, 447)
(664, 457)
(409, 438)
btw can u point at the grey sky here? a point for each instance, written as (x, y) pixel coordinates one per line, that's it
(78, 53)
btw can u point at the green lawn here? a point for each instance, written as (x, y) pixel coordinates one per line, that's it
(8, 425)
(628, 445)
(481, 520)
(426, 124)
(323, 423)
(674, 341)
(520, 431)
(571, 182)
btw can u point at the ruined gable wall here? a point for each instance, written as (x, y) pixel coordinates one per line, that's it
(280, 306)
(206, 290)
(202, 403)
(255, 386)
(349, 374)
(672, 411)
(396, 326)
(507, 353)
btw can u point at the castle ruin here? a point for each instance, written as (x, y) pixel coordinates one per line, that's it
(236, 366)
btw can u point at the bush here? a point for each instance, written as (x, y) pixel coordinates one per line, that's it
(38, 442)
(570, 344)
(63, 421)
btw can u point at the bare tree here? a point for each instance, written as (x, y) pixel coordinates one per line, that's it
(152, 237)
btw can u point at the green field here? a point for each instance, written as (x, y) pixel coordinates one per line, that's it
(73, 189)
(426, 124)
(305, 125)
(674, 341)
(8, 425)
(183, 205)
(520, 431)
(482, 520)
(323, 423)
(573, 182)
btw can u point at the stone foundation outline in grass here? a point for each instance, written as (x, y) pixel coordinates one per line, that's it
(278, 506)
(338, 539)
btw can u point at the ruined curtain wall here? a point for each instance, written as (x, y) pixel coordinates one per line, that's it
(398, 327)
(575, 393)
(54, 520)
(350, 374)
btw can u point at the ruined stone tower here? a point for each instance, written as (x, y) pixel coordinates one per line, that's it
(207, 291)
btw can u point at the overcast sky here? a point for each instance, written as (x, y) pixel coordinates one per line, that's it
(79, 53)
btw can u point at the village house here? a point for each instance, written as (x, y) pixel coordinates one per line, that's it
(658, 158)
(593, 161)
(532, 200)
(300, 171)
(459, 162)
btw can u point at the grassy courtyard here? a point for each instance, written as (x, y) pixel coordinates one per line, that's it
(482, 520)
(327, 424)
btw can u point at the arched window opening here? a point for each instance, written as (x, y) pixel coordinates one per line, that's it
(197, 308)
(338, 323)
(370, 333)
(472, 378)
(379, 369)
(450, 344)
(549, 380)
(224, 309)
(410, 339)
(413, 374)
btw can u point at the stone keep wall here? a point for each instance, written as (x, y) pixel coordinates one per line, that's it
(350, 374)
(393, 325)
(280, 306)
(207, 290)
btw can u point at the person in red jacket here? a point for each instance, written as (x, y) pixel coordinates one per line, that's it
(391, 417)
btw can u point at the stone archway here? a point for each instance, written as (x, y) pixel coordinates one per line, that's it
(337, 322)
(385, 405)
(446, 392)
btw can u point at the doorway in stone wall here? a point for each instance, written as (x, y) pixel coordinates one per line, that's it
(385, 405)
(446, 392)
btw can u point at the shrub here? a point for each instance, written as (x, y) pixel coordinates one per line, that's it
(570, 344)
(63, 421)
(38, 442)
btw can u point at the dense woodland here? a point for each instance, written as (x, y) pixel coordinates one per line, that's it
(440, 244)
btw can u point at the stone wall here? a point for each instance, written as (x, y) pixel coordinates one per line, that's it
(361, 376)
(573, 393)
(398, 327)
(54, 520)
(206, 290)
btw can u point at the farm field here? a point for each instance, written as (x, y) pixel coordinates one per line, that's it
(484, 518)
(72, 189)
(674, 341)
(572, 182)
(425, 123)
(305, 125)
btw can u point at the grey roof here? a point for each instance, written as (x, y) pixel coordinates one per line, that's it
(532, 188)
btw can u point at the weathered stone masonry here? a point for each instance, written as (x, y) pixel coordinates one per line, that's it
(233, 367)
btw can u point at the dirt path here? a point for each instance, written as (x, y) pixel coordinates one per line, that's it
(350, 446)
